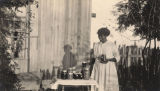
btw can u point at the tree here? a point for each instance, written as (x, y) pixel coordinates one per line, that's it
(8, 8)
(144, 15)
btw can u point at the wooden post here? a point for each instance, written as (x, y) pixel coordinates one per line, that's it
(28, 31)
(28, 68)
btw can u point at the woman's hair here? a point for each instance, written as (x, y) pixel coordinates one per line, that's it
(103, 31)
(67, 46)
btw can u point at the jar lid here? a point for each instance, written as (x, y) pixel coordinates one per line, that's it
(74, 71)
(84, 62)
(86, 68)
(64, 70)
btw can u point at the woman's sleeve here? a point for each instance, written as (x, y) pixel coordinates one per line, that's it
(116, 53)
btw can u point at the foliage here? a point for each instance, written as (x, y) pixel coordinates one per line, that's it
(8, 78)
(143, 15)
(14, 3)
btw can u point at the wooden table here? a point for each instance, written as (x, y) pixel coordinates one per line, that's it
(74, 82)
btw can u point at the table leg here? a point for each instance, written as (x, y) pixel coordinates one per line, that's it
(88, 88)
(62, 88)
(92, 88)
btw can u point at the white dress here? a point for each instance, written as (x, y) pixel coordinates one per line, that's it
(106, 74)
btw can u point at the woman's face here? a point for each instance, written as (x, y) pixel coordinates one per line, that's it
(102, 38)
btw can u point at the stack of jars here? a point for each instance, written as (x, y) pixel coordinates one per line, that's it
(85, 71)
(72, 74)
(59, 72)
(65, 74)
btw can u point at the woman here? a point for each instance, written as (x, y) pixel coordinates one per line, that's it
(106, 55)
(69, 59)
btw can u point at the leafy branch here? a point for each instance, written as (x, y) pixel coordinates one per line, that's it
(9, 21)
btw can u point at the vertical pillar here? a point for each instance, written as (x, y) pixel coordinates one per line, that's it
(28, 31)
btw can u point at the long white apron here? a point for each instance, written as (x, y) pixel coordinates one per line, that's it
(106, 74)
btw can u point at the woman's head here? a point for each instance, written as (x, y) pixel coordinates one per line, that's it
(102, 34)
(67, 48)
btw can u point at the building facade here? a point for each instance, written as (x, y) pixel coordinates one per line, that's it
(54, 24)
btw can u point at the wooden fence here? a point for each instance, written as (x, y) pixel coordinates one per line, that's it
(136, 73)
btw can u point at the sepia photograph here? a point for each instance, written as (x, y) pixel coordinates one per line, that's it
(79, 45)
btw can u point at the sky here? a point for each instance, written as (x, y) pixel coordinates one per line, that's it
(105, 17)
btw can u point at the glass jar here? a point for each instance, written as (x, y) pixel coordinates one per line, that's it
(64, 74)
(59, 72)
(86, 73)
(84, 64)
(70, 75)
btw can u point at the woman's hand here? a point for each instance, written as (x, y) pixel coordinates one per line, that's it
(112, 59)
(103, 59)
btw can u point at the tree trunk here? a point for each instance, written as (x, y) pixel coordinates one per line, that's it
(155, 46)
(147, 41)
